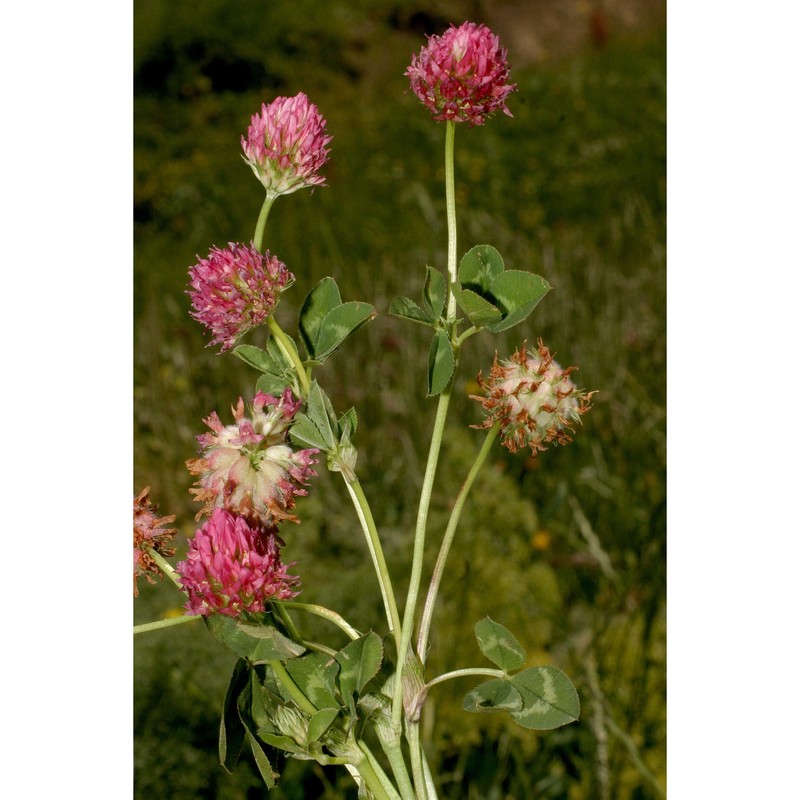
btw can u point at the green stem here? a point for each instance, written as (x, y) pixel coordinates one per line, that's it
(419, 549)
(287, 620)
(290, 352)
(394, 752)
(258, 236)
(374, 783)
(431, 786)
(163, 623)
(450, 199)
(325, 613)
(460, 673)
(291, 687)
(444, 549)
(417, 770)
(318, 648)
(376, 551)
(467, 333)
(165, 567)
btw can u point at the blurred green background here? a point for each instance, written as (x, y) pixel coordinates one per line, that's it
(567, 551)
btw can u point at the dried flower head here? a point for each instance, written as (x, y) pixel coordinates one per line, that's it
(148, 535)
(235, 290)
(249, 468)
(462, 75)
(286, 145)
(533, 399)
(232, 567)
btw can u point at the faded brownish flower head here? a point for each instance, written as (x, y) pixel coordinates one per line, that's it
(533, 399)
(462, 76)
(249, 468)
(148, 534)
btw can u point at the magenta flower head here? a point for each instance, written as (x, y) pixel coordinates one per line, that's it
(233, 567)
(286, 145)
(148, 535)
(533, 399)
(235, 290)
(249, 468)
(462, 75)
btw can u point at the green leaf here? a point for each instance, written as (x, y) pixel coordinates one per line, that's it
(359, 662)
(479, 310)
(517, 293)
(494, 695)
(323, 298)
(256, 643)
(272, 384)
(320, 722)
(281, 742)
(315, 674)
(479, 267)
(406, 308)
(435, 292)
(338, 324)
(441, 363)
(258, 358)
(499, 645)
(320, 412)
(549, 699)
(348, 423)
(262, 762)
(305, 432)
(231, 729)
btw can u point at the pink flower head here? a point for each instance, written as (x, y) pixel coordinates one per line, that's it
(533, 399)
(148, 535)
(232, 567)
(235, 290)
(462, 75)
(249, 468)
(286, 145)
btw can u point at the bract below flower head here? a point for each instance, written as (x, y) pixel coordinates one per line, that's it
(286, 145)
(149, 534)
(233, 567)
(235, 290)
(249, 468)
(462, 76)
(533, 399)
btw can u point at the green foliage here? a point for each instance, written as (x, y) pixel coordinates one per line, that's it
(574, 185)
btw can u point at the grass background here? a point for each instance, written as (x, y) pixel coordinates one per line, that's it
(567, 551)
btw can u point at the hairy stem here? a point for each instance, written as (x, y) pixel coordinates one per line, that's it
(376, 551)
(460, 673)
(164, 623)
(290, 353)
(419, 549)
(258, 236)
(444, 549)
(325, 613)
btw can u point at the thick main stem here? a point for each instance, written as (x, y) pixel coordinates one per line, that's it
(376, 551)
(447, 541)
(419, 549)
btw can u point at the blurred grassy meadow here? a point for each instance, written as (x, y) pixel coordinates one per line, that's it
(567, 551)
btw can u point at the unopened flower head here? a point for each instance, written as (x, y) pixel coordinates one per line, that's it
(249, 468)
(286, 145)
(235, 290)
(533, 399)
(462, 76)
(149, 534)
(233, 567)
